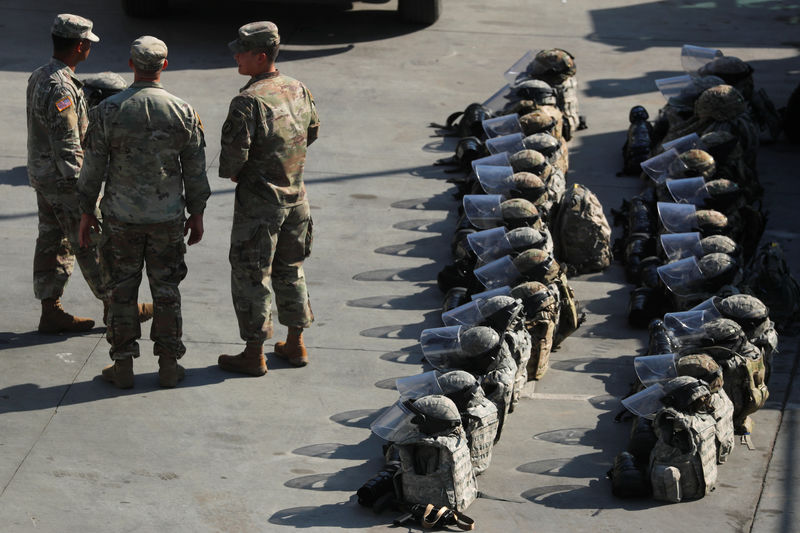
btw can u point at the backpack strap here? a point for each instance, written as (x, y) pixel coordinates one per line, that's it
(444, 516)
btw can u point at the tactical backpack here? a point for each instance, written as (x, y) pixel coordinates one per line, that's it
(435, 470)
(498, 385)
(480, 422)
(722, 410)
(520, 345)
(583, 236)
(683, 462)
(541, 321)
(745, 383)
(768, 278)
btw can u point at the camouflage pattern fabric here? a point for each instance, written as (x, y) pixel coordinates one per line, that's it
(265, 136)
(162, 168)
(57, 244)
(124, 249)
(269, 244)
(480, 422)
(582, 232)
(57, 123)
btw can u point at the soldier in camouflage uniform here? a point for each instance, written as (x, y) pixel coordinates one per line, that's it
(269, 125)
(149, 148)
(57, 121)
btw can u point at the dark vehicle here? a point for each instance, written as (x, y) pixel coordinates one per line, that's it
(416, 11)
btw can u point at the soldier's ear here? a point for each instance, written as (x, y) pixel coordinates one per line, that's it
(164, 67)
(130, 64)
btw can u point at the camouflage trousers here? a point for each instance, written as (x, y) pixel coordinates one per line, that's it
(124, 250)
(269, 243)
(57, 244)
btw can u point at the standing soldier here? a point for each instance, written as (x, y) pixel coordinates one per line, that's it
(148, 147)
(57, 121)
(269, 125)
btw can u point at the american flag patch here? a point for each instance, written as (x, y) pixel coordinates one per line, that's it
(64, 103)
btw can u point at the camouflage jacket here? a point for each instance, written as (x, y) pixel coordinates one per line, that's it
(269, 125)
(57, 121)
(149, 147)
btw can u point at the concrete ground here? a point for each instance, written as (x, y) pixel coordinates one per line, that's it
(230, 454)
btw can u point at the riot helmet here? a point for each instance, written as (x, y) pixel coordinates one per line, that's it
(701, 366)
(720, 103)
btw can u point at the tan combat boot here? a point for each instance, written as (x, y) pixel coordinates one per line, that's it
(55, 320)
(169, 371)
(251, 361)
(293, 349)
(120, 373)
(145, 312)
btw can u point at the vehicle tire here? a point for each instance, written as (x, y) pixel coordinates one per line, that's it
(144, 8)
(420, 11)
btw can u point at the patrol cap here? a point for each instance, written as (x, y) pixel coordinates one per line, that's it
(73, 27)
(256, 36)
(148, 53)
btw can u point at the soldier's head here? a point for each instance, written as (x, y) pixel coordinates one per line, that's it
(72, 38)
(148, 58)
(256, 48)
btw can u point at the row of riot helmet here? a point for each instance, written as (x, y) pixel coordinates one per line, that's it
(507, 300)
(696, 231)
(705, 374)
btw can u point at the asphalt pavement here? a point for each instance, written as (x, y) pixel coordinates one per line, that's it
(222, 453)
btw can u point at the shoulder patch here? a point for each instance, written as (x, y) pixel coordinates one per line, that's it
(64, 103)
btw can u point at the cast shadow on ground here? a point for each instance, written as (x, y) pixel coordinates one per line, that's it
(17, 176)
(422, 273)
(31, 397)
(405, 331)
(11, 339)
(421, 301)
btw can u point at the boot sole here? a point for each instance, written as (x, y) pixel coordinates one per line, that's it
(238, 370)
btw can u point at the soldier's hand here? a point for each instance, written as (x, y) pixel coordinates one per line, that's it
(234, 179)
(194, 224)
(88, 222)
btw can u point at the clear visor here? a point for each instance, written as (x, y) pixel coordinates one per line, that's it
(689, 190)
(646, 403)
(495, 180)
(677, 218)
(683, 144)
(655, 368)
(440, 340)
(394, 424)
(683, 277)
(520, 66)
(465, 315)
(686, 324)
(498, 273)
(499, 291)
(708, 306)
(499, 100)
(500, 126)
(413, 387)
(656, 167)
(694, 57)
(679, 245)
(511, 143)
(672, 87)
(489, 244)
(483, 210)
(496, 160)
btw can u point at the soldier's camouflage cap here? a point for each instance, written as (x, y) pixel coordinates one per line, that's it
(256, 36)
(73, 27)
(148, 53)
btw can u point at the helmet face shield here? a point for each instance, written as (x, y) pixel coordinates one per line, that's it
(682, 144)
(394, 424)
(680, 245)
(489, 244)
(435, 341)
(417, 386)
(695, 57)
(499, 291)
(688, 190)
(495, 179)
(655, 368)
(511, 143)
(500, 126)
(677, 218)
(467, 315)
(656, 167)
(497, 160)
(646, 403)
(683, 277)
(483, 210)
(498, 273)
(520, 66)
(673, 86)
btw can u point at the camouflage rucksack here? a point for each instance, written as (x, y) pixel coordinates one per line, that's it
(769, 279)
(541, 320)
(583, 236)
(570, 318)
(557, 67)
(683, 462)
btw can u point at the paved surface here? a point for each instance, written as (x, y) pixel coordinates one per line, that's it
(229, 454)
